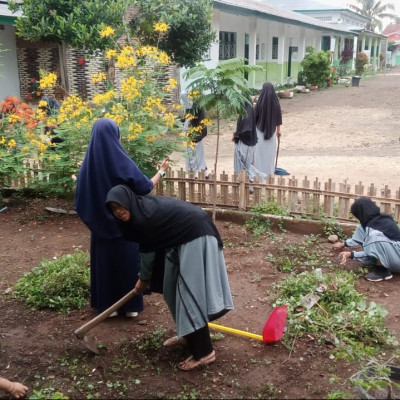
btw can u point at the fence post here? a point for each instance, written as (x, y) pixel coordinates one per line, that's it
(385, 206)
(316, 199)
(242, 190)
(182, 185)
(344, 201)
(305, 204)
(224, 188)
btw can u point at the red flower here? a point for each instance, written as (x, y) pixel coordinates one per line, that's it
(30, 95)
(81, 61)
(33, 80)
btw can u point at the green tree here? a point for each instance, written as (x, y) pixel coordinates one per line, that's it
(223, 89)
(316, 67)
(376, 10)
(189, 35)
(69, 22)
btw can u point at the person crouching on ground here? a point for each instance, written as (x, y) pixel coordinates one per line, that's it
(195, 284)
(379, 236)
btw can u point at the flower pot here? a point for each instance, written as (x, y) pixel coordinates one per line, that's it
(355, 80)
(285, 95)
(313, 87)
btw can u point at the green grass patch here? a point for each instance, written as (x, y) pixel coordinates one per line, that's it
(60, 285)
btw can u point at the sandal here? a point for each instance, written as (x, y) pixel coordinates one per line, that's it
(174, 341)
(190, 363)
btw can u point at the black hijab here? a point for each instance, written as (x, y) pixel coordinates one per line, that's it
(369, 215)
(246, 127)
(160, 222)
(268, 114)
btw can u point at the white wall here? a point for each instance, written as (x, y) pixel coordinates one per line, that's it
(9, 81)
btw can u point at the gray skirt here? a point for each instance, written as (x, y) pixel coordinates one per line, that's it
(196, 287)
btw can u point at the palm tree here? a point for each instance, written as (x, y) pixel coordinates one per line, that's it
(223, 89)
(376, 10)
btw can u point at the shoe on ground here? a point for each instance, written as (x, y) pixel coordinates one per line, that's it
(113, 314)
(132, 314)
(379, 274)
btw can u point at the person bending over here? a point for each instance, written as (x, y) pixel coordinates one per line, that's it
(195, 283)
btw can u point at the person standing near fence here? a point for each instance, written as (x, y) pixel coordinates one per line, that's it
(268, 119)
(245, 138)
(194, 151)
(114, 261)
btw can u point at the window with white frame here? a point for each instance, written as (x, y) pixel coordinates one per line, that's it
(227, 45)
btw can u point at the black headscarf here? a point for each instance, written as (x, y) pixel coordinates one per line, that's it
(246, 127)
(369, 215)
(268, 114)
(160, 222)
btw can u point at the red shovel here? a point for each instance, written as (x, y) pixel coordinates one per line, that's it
(273, 328)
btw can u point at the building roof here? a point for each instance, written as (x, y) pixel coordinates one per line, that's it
(310, 6)
(7, 16)
(391, 29)
(262, 10)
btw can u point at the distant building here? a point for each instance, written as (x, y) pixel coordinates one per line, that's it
(368, 42)
(392, 32)
(9, 78)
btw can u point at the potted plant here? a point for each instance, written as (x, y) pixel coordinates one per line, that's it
(360, 63)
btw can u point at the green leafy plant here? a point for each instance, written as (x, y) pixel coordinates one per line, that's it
(375, 379)
(316, 67)
(341, 315)
(332, 227)
(189, 36)
(60, 285)
(223, 89)
(69, 22)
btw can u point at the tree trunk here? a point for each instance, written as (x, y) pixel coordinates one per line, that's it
(215, 172)
(62, 52)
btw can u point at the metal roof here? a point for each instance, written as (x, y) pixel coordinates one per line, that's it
(262, 10)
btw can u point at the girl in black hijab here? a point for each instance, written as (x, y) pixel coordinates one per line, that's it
(245, 139)
(268, 119)
(195, 284)
(378, 235)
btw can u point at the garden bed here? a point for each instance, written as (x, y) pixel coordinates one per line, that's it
(40, 349)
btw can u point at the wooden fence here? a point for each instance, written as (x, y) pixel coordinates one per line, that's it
(301, 197)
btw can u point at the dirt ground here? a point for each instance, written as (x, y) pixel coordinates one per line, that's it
(339, 133)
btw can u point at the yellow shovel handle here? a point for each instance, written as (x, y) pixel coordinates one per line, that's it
(235, 331)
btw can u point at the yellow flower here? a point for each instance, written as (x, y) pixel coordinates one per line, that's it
(160, 27)
(13, 118)
(172, 82)
(48, 81)
(111, 54)
(3, 140)
(108, 31)
(98, 77)
(169, 119)
(12, 143)
(42, 103)
(206, 122)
